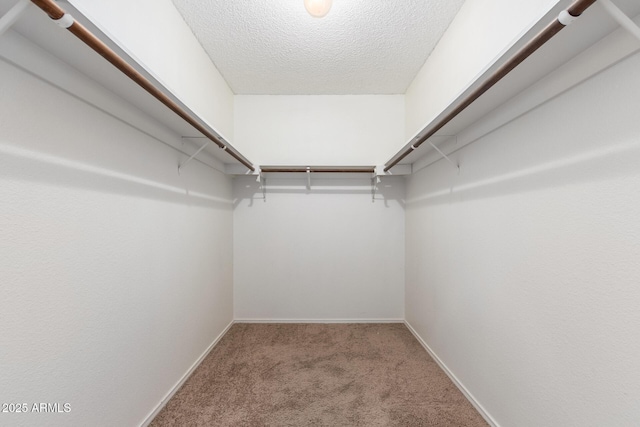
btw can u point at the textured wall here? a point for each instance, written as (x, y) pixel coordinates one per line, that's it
(522, 271)
(115, 272)
(477, 35)
(328, 253)
(319, 130)
(154, 32)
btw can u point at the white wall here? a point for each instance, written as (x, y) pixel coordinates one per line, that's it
(522, 271)
(320, 129)
(115, 271)
(154, 32)
(481, 30)
(325, 254)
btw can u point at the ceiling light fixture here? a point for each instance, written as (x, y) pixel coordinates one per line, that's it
(318, 8)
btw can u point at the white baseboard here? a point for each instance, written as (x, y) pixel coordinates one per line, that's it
(488, 418)
(319, 321)
(184, 378)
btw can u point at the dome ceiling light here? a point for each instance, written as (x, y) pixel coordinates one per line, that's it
(318, 8)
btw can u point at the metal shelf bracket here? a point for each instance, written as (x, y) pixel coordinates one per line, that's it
(447, 158)
(262, 180)
(374, 180)
(193, 156)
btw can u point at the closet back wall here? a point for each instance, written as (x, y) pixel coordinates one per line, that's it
(323, 254)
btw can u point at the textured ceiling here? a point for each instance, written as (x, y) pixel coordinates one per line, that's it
(360, 47)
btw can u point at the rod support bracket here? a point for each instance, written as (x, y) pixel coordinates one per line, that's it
(565, 18)
(66, 21)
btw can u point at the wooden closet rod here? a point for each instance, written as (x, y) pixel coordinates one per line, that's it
(564, 19)
(65, 20)
(318, 169)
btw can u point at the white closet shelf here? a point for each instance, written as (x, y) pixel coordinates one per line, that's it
(592, 27)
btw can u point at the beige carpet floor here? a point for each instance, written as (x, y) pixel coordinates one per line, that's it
(318, 375)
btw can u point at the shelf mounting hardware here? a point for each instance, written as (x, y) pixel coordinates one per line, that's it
(447, 158)
(374, 179)
(183, 164)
